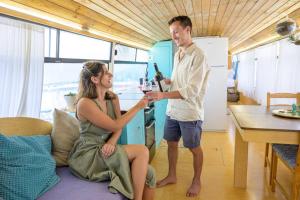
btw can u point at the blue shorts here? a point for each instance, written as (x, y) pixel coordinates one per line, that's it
(189, 130)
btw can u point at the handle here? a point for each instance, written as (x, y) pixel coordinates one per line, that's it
(152, 123)
(149, 111)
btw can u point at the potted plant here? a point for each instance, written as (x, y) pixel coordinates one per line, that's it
(70, 100)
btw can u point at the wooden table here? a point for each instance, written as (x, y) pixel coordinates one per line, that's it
(257, 124)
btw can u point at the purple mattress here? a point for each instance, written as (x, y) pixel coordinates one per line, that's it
(73, 188)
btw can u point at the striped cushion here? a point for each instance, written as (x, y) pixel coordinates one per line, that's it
(287, 152)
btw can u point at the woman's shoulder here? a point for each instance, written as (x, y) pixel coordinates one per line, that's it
(85, 100)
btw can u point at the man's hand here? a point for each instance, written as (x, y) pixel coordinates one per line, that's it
(107, 149)
(155, 96)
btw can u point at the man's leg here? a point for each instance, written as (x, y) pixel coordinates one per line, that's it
(172, 134)
(172, 158)
(191, 135)
(197, 162)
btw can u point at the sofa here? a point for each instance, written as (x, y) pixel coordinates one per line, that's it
(69, 186)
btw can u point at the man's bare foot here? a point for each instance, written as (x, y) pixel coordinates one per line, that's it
(194, 189)
(166, 181)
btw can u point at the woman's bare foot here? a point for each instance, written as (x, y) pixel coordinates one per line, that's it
(194, 189)
(166, 181)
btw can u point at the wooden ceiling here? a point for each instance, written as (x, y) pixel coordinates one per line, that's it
(141, 23)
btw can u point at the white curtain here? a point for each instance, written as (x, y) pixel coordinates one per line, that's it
(246, 73)
(266, 71)
(274, 68)
(288, 67)
(21, 68)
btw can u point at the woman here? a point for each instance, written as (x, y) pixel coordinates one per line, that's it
(96, 155)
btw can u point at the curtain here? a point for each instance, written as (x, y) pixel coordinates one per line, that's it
(266, 71)
(246, 73)
(288, 69)
(21, 68)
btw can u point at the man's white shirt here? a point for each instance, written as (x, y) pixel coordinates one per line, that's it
(189, 78)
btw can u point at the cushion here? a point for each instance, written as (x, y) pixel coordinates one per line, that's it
(71, 187)
(27, 169)
(23, 126)
(65, 132)
(287, 152)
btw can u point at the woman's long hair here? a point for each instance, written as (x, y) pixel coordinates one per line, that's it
(86, 87)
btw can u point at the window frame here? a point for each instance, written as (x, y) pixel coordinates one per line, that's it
(57, 59)
(128, 47)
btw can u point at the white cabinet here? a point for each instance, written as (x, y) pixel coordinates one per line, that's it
(215, 104)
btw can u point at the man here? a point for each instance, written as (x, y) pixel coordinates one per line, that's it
(185, 105)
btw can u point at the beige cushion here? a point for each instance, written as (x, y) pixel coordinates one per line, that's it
(64, 133)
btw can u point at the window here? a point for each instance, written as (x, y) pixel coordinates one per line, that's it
(82, 47)
(59, 79)
(125, 53)
(63, 77)
(50, 42)
(126, 77)
(142, 56)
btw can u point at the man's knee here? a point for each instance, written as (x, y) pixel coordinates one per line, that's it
(196, 150)
(173, 144)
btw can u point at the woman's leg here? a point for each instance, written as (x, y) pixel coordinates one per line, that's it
(148, 193)
(138, 156)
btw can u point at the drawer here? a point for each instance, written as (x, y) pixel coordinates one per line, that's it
(149, 115)
(150, 133)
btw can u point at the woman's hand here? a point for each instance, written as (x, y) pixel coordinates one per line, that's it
(143, 102)
(108, 149)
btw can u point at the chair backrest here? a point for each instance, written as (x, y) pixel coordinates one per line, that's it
(282, 96)
(24, 126)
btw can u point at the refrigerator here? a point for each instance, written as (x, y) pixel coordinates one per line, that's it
(215, 101)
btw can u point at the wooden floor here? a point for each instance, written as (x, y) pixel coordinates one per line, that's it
(217, 174)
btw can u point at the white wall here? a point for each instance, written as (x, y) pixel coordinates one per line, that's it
(216, 50)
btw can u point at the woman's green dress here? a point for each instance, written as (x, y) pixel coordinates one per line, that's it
(86, 161)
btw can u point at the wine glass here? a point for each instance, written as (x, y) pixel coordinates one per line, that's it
(146, 87)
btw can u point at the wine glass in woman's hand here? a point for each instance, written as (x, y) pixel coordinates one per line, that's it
(146, 87)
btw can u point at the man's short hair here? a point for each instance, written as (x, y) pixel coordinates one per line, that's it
(184, 21)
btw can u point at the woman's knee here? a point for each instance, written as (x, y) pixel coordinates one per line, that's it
(144, 151)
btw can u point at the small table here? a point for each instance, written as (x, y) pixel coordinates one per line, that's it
(257, 124)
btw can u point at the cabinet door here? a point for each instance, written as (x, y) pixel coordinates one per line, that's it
(135, 129)
(162, 54)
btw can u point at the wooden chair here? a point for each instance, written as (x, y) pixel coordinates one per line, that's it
(278, 96)
(288, 154)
